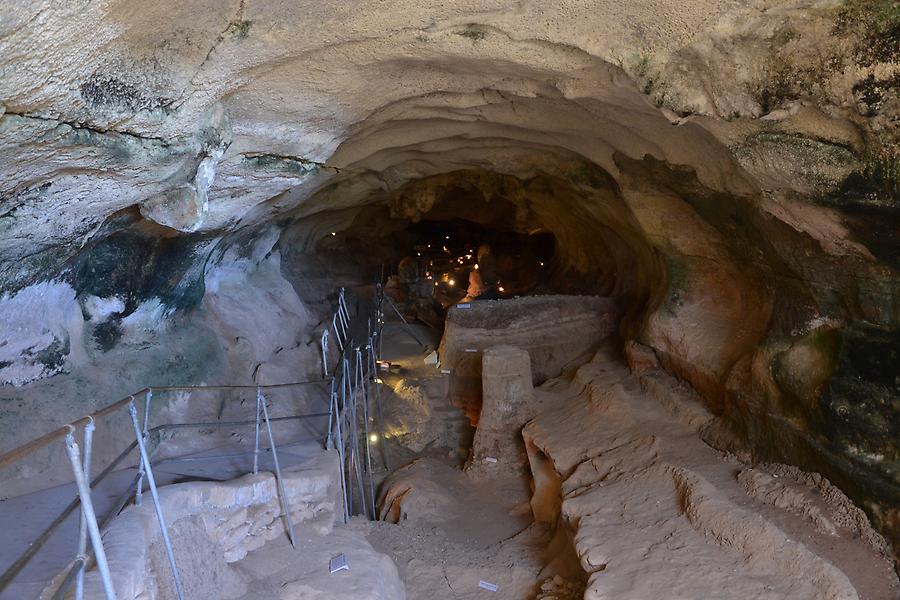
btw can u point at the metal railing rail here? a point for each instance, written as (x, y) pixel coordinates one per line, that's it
(20, 452)
(353, 385)
(88, 524)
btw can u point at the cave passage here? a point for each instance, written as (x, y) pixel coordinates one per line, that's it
(546, 300)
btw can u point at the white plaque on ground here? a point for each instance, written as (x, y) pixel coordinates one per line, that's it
(339, 563)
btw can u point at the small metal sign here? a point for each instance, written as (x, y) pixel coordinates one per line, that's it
(464, 306)
(339, 563)
(487, 585)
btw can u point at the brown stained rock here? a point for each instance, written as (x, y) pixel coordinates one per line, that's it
(640, 357)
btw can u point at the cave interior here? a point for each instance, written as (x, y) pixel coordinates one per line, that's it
(429, 300)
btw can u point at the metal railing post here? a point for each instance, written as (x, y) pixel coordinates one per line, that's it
(337, 333)
(279, 481)
(340, 447)
(90, 517)
(82, 524)
(406, 324)
(332, 409)
(325, 352)
(379, 414)
(148, 470)
(138, 493)
(364, 397)
(256, 443)
(355, 455)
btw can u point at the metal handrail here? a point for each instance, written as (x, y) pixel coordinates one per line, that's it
(82, 472)
(36, 444)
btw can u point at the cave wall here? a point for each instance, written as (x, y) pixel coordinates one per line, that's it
(728, 174)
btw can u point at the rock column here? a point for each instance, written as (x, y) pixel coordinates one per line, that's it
(507, 404)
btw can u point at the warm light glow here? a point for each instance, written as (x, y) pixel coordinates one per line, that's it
(542, 264)
(476, 267)
(334, 233)
(501, 289)
(373, 438)
(451, 283)
(446, 237)
(377, 380)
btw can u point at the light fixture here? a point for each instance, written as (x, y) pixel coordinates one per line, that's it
(501, 289)
(334, 233)
(373, 438)
(476, 266)
(542, 264)
(451, 282)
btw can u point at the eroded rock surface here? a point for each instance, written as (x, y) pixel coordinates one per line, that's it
(657, 513)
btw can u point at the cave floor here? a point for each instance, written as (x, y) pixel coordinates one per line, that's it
(651, 511)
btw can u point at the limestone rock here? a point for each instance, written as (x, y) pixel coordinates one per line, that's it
(182, 208)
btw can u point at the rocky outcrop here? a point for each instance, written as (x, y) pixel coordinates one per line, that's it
(556, 332)
(657, 513)
(507, 403)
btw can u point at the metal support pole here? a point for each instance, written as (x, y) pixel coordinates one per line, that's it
(90, 517)
(332, 411)
(325, 352)
(138, 498)
(284, 501)
(379, 414)
(364, 397)
(340, 448)
(337, 333)
(256, 443)
(343, 310)
(409, 328)
(356, 447)
(82, 524)
(148, 470)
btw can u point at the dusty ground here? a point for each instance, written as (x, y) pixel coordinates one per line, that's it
(650, 511)
(278, 571)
